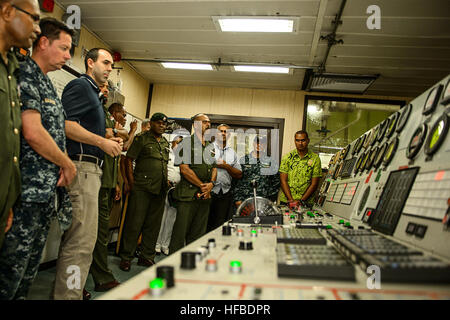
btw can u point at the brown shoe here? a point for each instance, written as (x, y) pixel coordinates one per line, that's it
(106, 286)
(125, 265)
(145, 262)
(86, 295)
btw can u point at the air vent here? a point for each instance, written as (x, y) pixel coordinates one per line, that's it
(332, 82)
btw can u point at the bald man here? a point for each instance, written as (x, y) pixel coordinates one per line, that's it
(193, 193)
(19, 27)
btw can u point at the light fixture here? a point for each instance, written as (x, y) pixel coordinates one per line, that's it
(265, 69)
(189, 66)
(256, 23)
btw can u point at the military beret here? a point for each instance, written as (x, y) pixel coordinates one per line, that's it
(159, 116)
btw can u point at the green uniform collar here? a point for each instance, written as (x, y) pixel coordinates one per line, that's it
(13, 64)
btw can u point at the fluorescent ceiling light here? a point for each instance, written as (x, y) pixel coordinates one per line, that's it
(189, 66)
(256, 24)
(261, 69)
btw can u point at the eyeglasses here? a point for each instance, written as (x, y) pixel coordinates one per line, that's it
(35, 17)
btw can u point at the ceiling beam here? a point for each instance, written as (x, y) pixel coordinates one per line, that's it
(318, 28)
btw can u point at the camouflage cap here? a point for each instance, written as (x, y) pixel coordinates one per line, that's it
(159, 116)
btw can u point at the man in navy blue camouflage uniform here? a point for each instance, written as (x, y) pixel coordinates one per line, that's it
(44, 164)
(259, 167)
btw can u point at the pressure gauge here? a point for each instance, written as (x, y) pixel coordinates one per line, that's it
(437, 135)
(403, 118)
(391, 128)
(390, 151)
(416, 141)
(432, 100)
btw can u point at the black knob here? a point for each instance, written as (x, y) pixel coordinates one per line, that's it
(166, 273)
(188, 260)
(226, 231)
(245, 245)
(212, 243)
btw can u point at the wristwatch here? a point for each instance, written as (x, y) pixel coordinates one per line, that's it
(115, 132)
(214, 183)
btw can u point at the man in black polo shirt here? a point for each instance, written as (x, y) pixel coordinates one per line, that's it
(86, 144)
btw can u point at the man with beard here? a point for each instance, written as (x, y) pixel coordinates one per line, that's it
(193, 193)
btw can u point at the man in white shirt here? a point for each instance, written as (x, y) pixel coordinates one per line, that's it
(228, 168)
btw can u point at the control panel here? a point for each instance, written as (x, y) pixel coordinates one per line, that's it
(395, 178)
(379, 229)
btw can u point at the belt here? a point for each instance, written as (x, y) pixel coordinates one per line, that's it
(87, 158)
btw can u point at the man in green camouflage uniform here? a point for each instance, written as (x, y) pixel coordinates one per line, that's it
(300, 172)
(44, 164)
(195, 156)
(148, 190)
(103, 277)
(259, 167)
(17, 29)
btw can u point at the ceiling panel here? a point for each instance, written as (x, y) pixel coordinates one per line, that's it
(410, 52)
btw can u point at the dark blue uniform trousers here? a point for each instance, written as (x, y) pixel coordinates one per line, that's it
(22, 248)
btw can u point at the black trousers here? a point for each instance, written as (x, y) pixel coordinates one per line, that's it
(220, 210)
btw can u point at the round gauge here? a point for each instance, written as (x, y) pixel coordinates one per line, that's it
(391, 128)
(344, 152)
(382, 131)
(356, 145)
(446, 95)
(371, 159)
(403, 118)
(368, 139)
(331, 160)
(366, 158)
(338, 157)
(432, 100)
(380, 155)
(361, 143)
(373, 135)
(337, 171)
(358, 163)
(437, 135)
(390, 151)
(416, 141)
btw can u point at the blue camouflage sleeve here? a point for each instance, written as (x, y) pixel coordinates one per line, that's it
(29, 93)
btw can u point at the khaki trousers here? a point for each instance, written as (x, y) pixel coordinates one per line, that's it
(78, 242)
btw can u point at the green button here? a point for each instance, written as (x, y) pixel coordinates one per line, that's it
(292, 216)
(235, 263)
(329, 226)
(253, 231)
(157, 283)
(341, 221)
(347, 224)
